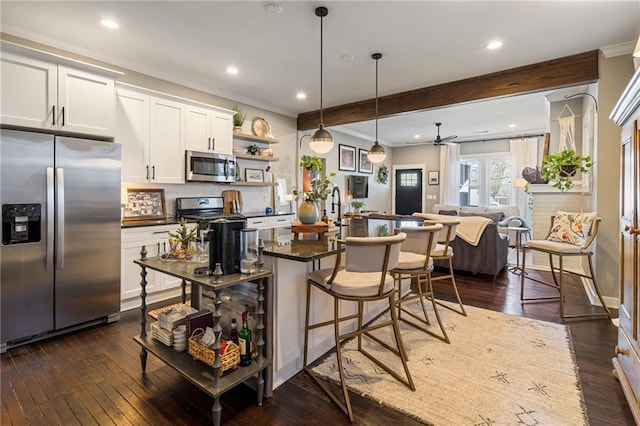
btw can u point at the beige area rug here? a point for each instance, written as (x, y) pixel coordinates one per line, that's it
(498, 370)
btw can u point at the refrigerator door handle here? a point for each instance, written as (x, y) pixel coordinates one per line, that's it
(50, 215)
(60, 219)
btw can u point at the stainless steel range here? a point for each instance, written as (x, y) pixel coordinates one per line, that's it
(203, 209)
(221, 229)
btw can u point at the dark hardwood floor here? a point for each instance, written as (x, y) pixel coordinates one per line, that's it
(93, 376)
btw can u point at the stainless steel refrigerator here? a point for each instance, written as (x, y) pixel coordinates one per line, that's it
(60, 252)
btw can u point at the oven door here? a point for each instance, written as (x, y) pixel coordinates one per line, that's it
(208, 167)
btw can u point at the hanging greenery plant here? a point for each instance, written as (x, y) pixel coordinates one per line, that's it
(558, 168)
(383, 175)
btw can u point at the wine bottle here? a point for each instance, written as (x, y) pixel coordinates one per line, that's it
(244, 341)
(233, 334)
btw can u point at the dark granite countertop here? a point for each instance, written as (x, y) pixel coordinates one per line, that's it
(306, 250)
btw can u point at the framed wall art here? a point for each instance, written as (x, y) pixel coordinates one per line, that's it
(145, 204)
(364, 165)
(253, 175)
(434, 177)
(347, 158)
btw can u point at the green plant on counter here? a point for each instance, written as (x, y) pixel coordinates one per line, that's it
(558, 168)
(184, 235)
(253, 149)
(239, 116)
(357, 205)
(383, 175)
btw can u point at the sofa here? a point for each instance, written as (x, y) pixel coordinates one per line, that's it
(507, 216)
(489, 255)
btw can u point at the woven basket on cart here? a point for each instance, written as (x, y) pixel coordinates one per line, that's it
(230, 358)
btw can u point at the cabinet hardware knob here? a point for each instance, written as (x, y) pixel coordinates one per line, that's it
(153, 172)
(632, 230)
(63, 116)
(147, 171)
(53, 112)
(620, 351)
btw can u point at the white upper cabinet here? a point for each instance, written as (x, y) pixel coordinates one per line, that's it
(209, 130)
(167, 141)
(44, 91)
(132, 132)
(151, 131)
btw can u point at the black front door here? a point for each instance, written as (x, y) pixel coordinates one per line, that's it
(408, 191)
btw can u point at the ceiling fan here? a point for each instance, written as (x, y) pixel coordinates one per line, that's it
(441, 141)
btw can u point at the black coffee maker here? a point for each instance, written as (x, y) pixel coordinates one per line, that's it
(224, 244)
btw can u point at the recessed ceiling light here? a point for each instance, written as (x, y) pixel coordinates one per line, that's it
(416, 136)
(232, 70)
(109, 24)
(511, 126)
(494, 45)
(301, 95)
(274, 9)
(347, 58)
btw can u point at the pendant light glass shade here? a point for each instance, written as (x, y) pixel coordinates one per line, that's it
(376, 152)
(321, 141)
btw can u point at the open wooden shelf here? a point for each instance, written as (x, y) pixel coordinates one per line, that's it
(255, 157)
(253, 138)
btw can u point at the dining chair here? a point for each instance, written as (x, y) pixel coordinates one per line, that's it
(570, 235)
(363, 278)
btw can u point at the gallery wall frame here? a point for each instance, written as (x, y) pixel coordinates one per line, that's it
(253, 175)
(347, 158)
(364, 165)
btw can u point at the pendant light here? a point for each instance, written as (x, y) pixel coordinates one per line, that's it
(376, 152)
(321, 141)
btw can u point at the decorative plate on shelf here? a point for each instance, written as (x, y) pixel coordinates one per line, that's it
(260, 127)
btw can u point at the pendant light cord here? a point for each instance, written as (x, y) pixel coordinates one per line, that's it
(377, 100)
(321, 44)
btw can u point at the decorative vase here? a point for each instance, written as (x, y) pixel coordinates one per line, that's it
(308, 212)
(237, 129)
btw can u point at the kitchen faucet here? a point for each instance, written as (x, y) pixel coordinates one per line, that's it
(334, 204)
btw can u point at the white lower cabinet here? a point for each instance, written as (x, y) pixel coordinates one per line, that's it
(159, 286)
(269, 222)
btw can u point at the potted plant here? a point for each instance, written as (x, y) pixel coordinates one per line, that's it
(253, 149)
(560, 167)
(317, 189)
(357, 205)
(180, 242)
(310, 167)
(238, 118)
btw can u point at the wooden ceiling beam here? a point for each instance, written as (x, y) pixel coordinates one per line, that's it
(571, 70)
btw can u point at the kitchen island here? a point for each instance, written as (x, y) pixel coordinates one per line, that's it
(291, 261)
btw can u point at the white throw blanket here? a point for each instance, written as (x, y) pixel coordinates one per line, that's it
(469, 229)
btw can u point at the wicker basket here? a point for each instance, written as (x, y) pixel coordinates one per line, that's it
(198, 351)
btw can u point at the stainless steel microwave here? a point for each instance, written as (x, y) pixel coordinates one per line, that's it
(209, 167)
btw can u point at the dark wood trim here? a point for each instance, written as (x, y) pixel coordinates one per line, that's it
(576, 69)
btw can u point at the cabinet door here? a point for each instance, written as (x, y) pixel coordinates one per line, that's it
(132, 132)
(198, 129)
(222, 132)
(29, 91)
(130, 272)
(167, 141)
(87, 102)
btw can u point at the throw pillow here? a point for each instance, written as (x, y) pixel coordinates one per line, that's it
(448, 212)
(572, 228)
(495, 217)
